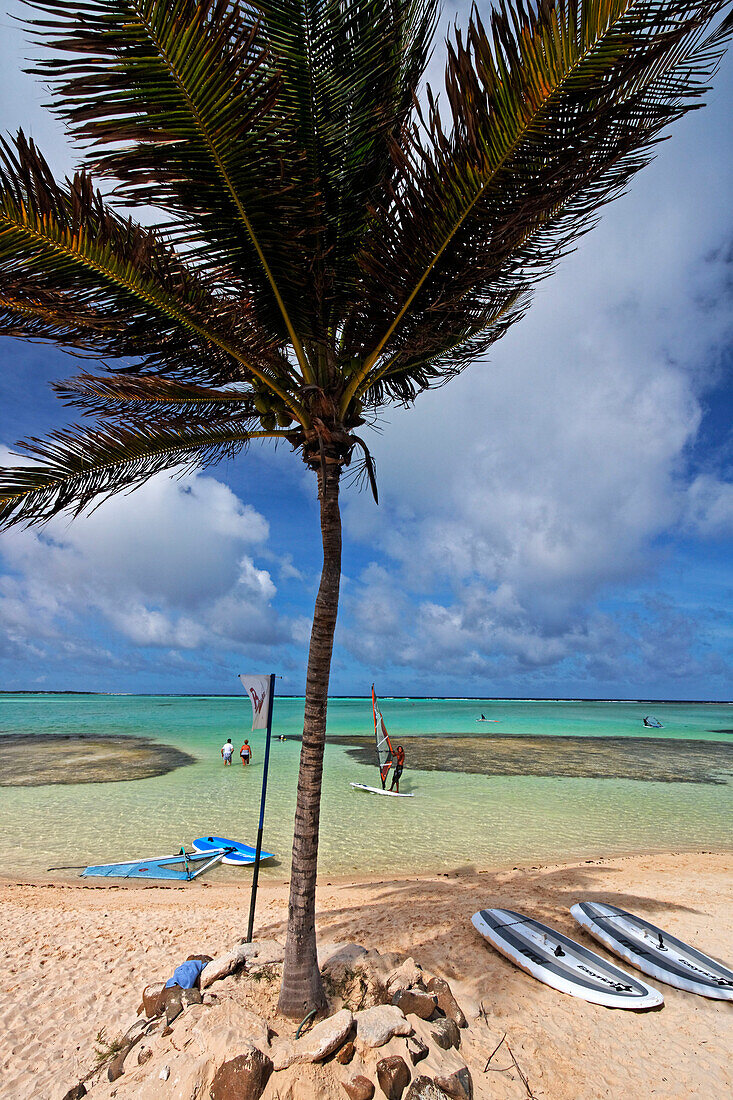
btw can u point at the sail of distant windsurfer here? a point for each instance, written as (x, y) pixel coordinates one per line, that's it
(384, 745)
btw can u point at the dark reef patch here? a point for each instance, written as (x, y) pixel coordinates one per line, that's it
(650, 759)
(33, 760)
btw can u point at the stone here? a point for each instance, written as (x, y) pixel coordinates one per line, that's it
(152, 995)
(446, 1001)
(165, 1073)
(359, 1088)
(416, 1001)
(346, 1053)
(393, 1076)
(77, 1091)
(417, 1049)
(200, 958)
(405, 976)
(317, 1044)
(446, 1034)
(144, 1055)
(424, 1088)
(332, 955)
(225, 964)
(264, 951)
(173, 1003)
(376, 1026)
(457, 1085)
(116, 1067)
(242, 1078)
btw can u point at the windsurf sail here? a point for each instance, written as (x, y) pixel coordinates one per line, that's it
(181, 867)
(385, 752)
(653, 722)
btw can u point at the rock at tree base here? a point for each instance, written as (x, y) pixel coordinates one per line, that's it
(317, 1044)
(346, 1053)
(359, 1088)
(416, 1001)
(423, 1088)
(446, 1034)
(152, 995)
(376, 1026)
(77, 1091)
(407, 975)
(242, 1078)
(457, 1085)
(417, 1049)
(393, 1076)
(446, 1001)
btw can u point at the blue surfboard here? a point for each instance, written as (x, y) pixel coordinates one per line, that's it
(240, 854)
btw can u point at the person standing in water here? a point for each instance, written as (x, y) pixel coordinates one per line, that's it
(227, 750)
(246, 753)
(399, 764)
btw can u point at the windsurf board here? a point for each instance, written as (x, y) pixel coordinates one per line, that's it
(378, 790)
(239, 855)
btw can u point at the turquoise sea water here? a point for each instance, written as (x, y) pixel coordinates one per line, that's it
(455, 819)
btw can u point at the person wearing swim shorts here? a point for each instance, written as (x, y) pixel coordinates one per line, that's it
(399, 764)
(227, 750)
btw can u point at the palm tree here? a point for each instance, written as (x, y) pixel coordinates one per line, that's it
(328, 238)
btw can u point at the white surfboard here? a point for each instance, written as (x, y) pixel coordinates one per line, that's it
(378, 790)
(560, 962)
(654, 951)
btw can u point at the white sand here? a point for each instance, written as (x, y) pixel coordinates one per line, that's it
(75, 958)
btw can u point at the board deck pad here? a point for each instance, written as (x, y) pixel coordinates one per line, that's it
(557, 961)
(654, 951)
(378, 790)
(241, 855)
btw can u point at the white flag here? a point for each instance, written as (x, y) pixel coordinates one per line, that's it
(258, 689)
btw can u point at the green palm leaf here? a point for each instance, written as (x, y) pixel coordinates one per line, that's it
(179, 103)
(552, 113)
(73, 467)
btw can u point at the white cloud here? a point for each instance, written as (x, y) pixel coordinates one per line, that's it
(170, 565)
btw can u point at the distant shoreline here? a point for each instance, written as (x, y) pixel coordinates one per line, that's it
(408, 698)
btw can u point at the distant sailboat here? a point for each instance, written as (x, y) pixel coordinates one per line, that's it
(653, 723)
(385, 755)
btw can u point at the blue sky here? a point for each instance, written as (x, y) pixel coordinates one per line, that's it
(556, 522)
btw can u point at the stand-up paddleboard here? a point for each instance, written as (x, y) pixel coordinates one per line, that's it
(562, 963)
(378, 790)
(238, 854)
(654, 951)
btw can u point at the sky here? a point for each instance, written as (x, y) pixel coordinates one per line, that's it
(557, 522)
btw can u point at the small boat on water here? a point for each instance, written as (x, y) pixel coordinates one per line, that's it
(653, 723)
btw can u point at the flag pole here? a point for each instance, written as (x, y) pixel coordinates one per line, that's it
(258, 849)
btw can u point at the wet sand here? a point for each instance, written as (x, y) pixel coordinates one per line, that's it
(643, 758)
(33, 760)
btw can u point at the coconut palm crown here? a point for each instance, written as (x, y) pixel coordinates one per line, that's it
(328, 237)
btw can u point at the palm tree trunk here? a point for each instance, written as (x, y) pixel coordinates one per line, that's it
(302, 988)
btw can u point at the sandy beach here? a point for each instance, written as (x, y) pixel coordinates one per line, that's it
(75, 959)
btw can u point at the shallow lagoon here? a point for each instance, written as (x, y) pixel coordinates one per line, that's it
(465, 815)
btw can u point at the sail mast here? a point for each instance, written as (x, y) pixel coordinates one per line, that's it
(384, 745)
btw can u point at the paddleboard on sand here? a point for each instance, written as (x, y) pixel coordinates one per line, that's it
(241, 854)
(654, 951)
(378, 790)
(562, 963)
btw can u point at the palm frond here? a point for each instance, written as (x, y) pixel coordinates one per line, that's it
(75, 270)
(552, 113)
(74, 467)
(178, 100)
(133, 396)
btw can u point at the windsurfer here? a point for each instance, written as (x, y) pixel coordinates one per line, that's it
(398, 766)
